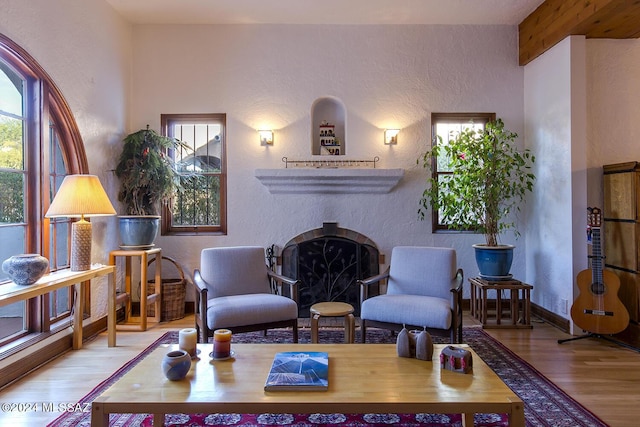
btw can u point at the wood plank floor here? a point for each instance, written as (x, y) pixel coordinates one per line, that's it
(600, 375)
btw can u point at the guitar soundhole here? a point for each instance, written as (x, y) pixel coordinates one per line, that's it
(597, 288)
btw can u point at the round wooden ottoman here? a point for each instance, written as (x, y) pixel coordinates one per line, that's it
(333, 309)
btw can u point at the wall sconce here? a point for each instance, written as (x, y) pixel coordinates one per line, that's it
(266, 137)
(391, 136)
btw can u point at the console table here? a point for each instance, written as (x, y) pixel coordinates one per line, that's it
(11, 293)
(519, 297)
(155, 298)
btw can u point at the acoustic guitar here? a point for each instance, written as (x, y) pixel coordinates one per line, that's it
(598, 309)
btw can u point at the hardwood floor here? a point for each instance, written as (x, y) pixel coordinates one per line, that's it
(602, 376)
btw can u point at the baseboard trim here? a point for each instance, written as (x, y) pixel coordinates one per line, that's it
(551, 318)
(542, 313)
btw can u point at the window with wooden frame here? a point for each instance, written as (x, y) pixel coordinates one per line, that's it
(201, 206)
(39, 145)
(445, 127)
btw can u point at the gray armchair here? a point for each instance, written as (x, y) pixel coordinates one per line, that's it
(234, 291)
(424, 289)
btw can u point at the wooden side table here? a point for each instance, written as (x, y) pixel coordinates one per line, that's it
(333, 309)
(155, 298)
(519, 303)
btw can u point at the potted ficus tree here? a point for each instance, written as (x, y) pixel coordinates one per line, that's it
(490, 178)
(148, 177)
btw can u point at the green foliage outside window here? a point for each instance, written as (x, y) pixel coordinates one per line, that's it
(11, 173)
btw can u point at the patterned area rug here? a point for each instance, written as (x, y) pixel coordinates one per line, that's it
(545, 404)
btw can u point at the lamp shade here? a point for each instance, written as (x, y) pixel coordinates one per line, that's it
(80, 195)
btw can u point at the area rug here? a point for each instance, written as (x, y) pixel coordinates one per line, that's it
(546, 405)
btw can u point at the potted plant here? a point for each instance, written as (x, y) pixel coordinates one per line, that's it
(490, 178)
(147, 177)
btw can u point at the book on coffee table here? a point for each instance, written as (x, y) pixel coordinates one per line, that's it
(296, 370)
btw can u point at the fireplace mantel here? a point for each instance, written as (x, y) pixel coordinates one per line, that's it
(329, 181)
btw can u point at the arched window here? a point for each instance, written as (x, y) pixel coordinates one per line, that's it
(39, 145)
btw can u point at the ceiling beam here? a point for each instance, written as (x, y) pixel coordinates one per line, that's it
(554, 20)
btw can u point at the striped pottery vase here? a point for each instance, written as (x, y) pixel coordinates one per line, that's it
(176, 364)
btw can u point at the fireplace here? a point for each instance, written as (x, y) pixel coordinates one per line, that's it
(328, 261)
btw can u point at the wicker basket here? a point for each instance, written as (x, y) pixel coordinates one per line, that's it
(174, 291)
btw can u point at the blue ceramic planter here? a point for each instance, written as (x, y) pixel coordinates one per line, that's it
(138, 231)
(494, 262)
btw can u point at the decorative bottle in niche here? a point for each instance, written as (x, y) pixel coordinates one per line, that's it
(25, 269)
(329, 144)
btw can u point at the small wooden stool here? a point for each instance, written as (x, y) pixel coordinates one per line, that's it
(333, 309)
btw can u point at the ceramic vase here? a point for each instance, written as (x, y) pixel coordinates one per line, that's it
(25, 269)
(176, 364)
(138, 232)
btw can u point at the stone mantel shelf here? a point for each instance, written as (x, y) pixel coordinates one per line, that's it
(329, 181)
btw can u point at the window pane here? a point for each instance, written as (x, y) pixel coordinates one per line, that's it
(12, 238)
(11, 148)
(59, 303)
(59, 227)
(446, 132)
(12, 319)
(11, 89)
(59, 244)
(200, 202)
(11, 197)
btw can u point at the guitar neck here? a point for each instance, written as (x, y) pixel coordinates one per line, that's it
(596, 255)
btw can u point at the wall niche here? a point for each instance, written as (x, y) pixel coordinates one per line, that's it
(328, 127)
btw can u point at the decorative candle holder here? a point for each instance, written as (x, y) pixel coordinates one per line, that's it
(221, 344)
(187, 341)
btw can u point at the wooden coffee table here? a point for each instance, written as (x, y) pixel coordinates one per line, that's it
(363, 378)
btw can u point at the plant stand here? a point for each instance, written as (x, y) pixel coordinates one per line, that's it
(519, 303)
(145, 299)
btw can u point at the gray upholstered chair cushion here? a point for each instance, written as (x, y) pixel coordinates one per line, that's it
(416, 310)
(235, 292)
(234, 271)
(249, 309)
(422, 271)
(424, 289)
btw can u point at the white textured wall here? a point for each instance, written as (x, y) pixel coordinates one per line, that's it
(613, 91)
(268, 76)
(555, 114)
(86, 49)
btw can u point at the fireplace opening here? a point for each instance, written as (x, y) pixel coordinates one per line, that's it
(328, 261)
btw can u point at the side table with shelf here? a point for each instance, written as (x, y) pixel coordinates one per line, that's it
(519, 313)
(135, 323)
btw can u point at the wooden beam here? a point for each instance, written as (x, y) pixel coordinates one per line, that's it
(554, 20)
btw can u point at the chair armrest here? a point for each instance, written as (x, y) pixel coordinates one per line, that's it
(198, 281)
(280, 280)
(201, 305)
(457, 281)
(374, 279)
(365, 283)
(456, 306)
(456, 290)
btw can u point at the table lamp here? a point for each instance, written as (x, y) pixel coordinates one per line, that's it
(77, 197)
